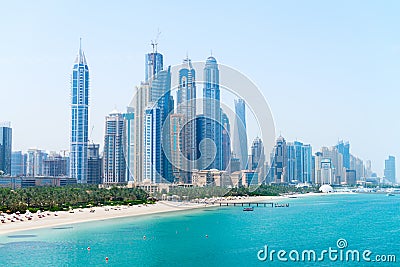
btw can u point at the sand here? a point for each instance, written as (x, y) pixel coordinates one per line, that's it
(102, 213)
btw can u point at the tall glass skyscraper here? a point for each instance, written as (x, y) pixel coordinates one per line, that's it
(129, 117)
(211, 127)
(299, 165)
(5, 148)
(18, 163)
(153, 64)
(226, 142)
(344, 149)
(240, 134)
(79, 119)
(152, 141)
(186, 100)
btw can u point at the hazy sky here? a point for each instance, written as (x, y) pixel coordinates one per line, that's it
(329, 69)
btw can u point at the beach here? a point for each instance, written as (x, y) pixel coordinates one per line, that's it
(54, 219)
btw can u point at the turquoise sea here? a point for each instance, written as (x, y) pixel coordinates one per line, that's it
(225, 236)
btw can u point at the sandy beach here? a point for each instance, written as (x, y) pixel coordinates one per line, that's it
(53, 219)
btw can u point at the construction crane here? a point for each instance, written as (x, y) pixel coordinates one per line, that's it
(154, 42)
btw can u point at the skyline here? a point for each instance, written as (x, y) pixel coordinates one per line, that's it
(350, 76)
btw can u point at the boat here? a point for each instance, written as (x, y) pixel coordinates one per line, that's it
(248, 209)
(390, 195)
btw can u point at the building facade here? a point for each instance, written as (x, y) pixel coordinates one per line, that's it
(211, 127)
(35, 162)
(114, 163)
(226, 142)
(95, 174)
(152, 144)
(18, 163)
(55, 165)
(5, 148)
(186, 105)
(79, 118)
(240, 149)
(390, 169)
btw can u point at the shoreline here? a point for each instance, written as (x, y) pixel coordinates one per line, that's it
(55, 219)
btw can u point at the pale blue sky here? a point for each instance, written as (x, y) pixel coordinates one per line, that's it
(329, 69)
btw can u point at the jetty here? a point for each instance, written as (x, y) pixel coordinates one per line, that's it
(259, 204)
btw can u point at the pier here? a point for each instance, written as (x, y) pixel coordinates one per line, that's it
(247, 204)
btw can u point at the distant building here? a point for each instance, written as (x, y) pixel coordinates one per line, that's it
(211, 177)
(55, 165)
(249, 178)
(5, 148)
(176, 121)
(351, 177)
(226, 142)
(317, 168)
(240, 149)
(235, 165)
(338, 168)
(344, 149)
(299, 166)
(35, 162)
(327, 171)
(211, 127)
(129, 117)
(152, 145)
(257, 159)
(390, 169)
(18, 163)
(94, 165)
(279, 161)
(114, 163)
(186, 105)
(31, 181)
(357, 164)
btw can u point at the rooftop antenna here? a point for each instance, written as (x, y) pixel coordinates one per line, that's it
(211, 52)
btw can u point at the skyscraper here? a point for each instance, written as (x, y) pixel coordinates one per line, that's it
(153, 64)
(176, 146)
(5, 148)
(257, 154)
(153, 93)
(390, 169)
(240, 134)
(55, 165)
(257, 159)
(94, 164)
(114, 147)
(18, 163)
(186, 100)
(139, 105)
(336, 158)
(211, 127)
(152, 141)
(79, 118)
(279, 161)
(160, 97)
(344, 149)
(35, 162)
(129, 117)
(299, 166)
(226, 142)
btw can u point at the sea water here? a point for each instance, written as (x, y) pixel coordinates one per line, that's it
(223, 236)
